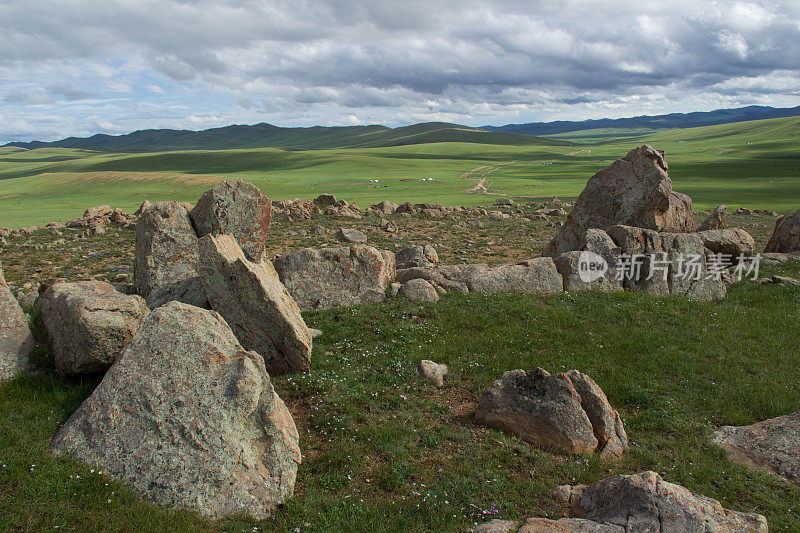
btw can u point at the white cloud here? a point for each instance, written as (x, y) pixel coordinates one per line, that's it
(155, 63)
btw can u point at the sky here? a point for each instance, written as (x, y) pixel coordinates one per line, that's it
(80, 67)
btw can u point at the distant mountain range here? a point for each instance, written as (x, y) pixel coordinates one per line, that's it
(266, 135)
(321, 137)
(655, 122)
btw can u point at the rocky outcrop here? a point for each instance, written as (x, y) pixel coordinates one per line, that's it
(643, 502)
(667, 263)
(771, 445)
(235, 208)
(330, 277)
(256, 305)
(417, 256)
(592, 268)
(785, 237)
(88, 323)
(419, 290)
(715, 220)
(383, 208)
(189, 419)
(635, 191)
(732, 241)
(165, 264)
(295, 209)
(16, 341)
(564, 413)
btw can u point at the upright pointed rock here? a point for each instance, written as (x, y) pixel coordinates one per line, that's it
(252, 299)
(16, 341)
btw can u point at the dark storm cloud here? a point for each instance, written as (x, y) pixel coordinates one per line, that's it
(196, 62)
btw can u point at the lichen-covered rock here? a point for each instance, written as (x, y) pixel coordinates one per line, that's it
(550, 412)
(612, 440)
(785, 237)
(644, 503)
(417, 256)
(235, 208)
(88, 323)
(635, 191)
(256, 305)
(419, 290)
(189, 419)
(667, 263)
(772, 445)
(16, 341)
(165, 264)
(331, 277)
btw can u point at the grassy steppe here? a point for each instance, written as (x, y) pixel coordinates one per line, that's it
(751, 164)
(386, 452)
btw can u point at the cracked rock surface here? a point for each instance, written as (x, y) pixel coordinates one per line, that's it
(564, 413)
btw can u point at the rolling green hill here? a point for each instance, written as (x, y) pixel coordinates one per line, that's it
(651, 122)
(266, 135)
(751, 164)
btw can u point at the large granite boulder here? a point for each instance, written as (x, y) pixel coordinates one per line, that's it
(256, 305)
(189, 419)
(165, 264)
(16, 341)
(235, 208)
(635, 191)
(667, 263)
(417, 256)
(644, 503)
(771, 445)
(731, 242)
(715, 220)
(564, 413)
(330, 277)
(88, 323)
(785, 237)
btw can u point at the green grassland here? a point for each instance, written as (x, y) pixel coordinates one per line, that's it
(750, 164)
(385, 452)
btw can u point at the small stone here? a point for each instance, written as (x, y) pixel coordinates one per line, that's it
(351, 235)
(433, 372)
